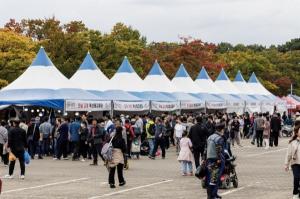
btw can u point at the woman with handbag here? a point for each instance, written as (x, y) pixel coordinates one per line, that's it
(119, 149)
(293, 159)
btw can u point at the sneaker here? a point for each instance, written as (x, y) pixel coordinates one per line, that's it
(8, 177)
(252, 143)
(183, 174)
(295, 197)
(65, 158)
(55, 159)
(151, 157)
(22, 177)
(94, 164)
(82, 160)
(40, 158)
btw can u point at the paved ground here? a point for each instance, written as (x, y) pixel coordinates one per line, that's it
(261, 176)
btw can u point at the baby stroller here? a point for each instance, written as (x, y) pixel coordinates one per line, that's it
(229, 174)
(136, 147)
(145, 148)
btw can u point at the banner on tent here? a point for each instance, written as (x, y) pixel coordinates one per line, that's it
(216, 105)
(192, 105)
(83, 105)
(131, 106)
(165, 106)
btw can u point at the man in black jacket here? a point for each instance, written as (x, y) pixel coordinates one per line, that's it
(17, 144)
(275, 125)
(198, 135)
(96, 138)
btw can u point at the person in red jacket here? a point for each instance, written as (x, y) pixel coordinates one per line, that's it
(130, 135)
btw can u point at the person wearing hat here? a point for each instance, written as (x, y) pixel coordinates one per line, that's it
(215, 160)
(17, 144)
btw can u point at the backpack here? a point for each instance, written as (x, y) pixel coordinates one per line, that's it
(260, 124)
(106, 151)
(151, 129)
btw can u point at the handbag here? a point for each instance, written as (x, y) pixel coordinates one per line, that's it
(201, 170)
(26, 157)
(106, 151)
(11, 157)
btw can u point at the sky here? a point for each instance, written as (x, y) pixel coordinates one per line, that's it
(262, 22)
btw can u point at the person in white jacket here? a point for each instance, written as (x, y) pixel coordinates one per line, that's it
(293, 159)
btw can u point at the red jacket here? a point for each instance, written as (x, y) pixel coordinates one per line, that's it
(129, 131)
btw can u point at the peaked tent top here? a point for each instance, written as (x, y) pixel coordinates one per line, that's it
(239, 77)
(156, 69)
(253, 78)
(88, 63)
(182, 72)
(222, 76)
(203, 74)
(125, 67)
(42, 59)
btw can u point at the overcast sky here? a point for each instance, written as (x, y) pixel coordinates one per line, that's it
(236, 21)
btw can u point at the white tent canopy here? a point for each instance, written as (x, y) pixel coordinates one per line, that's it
(205, 82)
(184, 83)
(158, 80)
(89, 76)
(127, 79)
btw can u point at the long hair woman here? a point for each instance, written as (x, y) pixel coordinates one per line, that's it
(119, 149)
(293, 158)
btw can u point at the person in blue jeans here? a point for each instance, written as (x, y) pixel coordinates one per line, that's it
(215, 161)
(150, 132)
(74, 135)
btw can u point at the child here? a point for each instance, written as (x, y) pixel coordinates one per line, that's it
(185, 155)
(266, 133)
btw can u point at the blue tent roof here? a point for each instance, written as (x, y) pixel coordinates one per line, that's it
(182, 72)
(156, 69)
(125, 67)
(115, 95)
(42, 59)
(153, 96)
(88, 63)
(239, 77)
(253, 78)
(203, 74)
(222, 76)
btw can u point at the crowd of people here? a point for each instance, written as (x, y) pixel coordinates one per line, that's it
(196, 137)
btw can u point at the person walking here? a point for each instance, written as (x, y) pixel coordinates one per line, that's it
(275, 129)
(33, 138)
(198, 135)
(178, 130)
(83, 140)
(215, 161)
(17, 144)
(129, 136)
(62, 140)
(3, 143)
(45, 133)
(293, 159)
(185, 155)
(119, 149)
(74, 138)
(150, 131)
(259, 125)
(160, 130)
(96, 138)
(235, 131)
(266, 134)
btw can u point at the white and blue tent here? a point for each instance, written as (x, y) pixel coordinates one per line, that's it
(89, 76)
(184, 84)
(253, 101)
(267, 105)
(208, 86)
(230, 93)
(42, 84)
